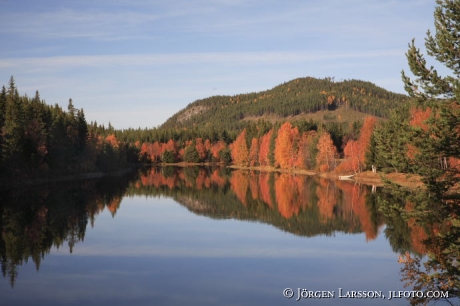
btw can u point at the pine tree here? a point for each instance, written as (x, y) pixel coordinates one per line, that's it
(444, 48)
(2, 121)
(441, 139)
(437, 146)
(13, 144)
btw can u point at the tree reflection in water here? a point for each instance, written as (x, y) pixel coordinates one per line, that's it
(435, 220)
(35, 220)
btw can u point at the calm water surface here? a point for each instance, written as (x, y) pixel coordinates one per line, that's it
(199, 238)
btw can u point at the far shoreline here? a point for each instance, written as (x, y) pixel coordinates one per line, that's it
(410, 181)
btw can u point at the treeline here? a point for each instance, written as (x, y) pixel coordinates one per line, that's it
(299, 96)
(399, 144)
(37, 139)
(300, 144)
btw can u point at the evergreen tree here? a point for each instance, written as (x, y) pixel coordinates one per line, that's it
(441, 140)
(390, 143)
(436, 141)
(82, 130)
(2, 121)
(13, 144)
(191, 154)
(444, 48)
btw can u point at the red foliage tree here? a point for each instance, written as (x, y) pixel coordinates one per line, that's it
(253, 152)
(365, 138)
(239, 150)
(285, 151)
(355, 150)
(217, 148)
(201, 149)
(419, 116)
(264, 149)
(327, 153)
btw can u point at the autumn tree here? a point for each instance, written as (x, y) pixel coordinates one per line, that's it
(253, 152)
(365, 138)
(327, 153)
(356, 151)
(264, 148)
(285, 146)
(352, 160)
(306, 156)
(200, 148)
(216, 149)
(240, 150)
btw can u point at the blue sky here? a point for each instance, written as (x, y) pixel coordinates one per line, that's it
(137, 62)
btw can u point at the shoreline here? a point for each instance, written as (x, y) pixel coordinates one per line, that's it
(410, 181)
(6, 184)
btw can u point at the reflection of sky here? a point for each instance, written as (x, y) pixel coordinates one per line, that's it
(155, 252)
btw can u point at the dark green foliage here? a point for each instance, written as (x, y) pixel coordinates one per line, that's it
(168, 157)
(444, 47)
(390, 141)
(271, 150)
(441, 139)
(36, 219)
(436, 151)
(42, 140)
(191, 154)
(299, 96)
(225, 156)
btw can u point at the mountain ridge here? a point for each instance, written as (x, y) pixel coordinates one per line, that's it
(299, 96)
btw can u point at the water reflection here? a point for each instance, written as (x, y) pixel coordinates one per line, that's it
(35, 221)
(433, 227)
(39, 218)
(298, 204)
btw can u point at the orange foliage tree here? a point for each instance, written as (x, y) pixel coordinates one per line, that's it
(285, 146)
(355, 150)
(365, 137)
(239, 150)
(265, 148)
(327, 153)
(216, 149)
(418, 117)
(351, 154)
(201, 149)
(253, 152)
(304, 158)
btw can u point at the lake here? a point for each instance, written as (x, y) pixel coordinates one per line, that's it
(201, 236)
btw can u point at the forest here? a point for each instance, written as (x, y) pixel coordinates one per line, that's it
(41, 140)
(414, 134)
(418, 133)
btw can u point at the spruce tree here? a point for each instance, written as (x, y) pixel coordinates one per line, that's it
(444, 47)
(2, 121)
(437, 160)
(441, 140)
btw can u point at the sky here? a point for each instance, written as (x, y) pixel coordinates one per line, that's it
(135, 63)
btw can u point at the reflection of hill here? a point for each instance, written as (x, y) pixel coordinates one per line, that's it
(298, 204)
(35, 220)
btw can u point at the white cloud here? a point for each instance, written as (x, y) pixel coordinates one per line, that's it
(63, 62)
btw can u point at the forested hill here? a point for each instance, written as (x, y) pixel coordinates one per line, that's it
(296, 97)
